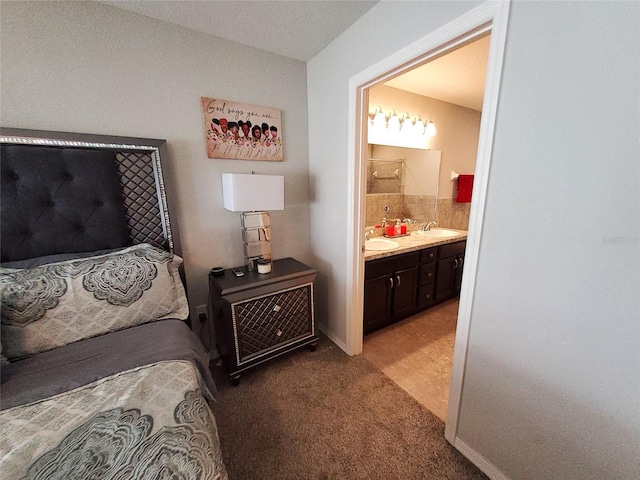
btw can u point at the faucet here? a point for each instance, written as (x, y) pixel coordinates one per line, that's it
(384, 219)
(427, 226)
(366, 234)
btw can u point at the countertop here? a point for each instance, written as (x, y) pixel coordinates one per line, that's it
(413, 242)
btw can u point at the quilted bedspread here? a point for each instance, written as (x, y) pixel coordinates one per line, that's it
(150, 422)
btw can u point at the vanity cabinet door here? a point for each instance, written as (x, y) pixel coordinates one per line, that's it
(377, 302)
(457, 281)
(404, 292)
(445, 279)
(389, 298)
(390, 289)
(449, 271)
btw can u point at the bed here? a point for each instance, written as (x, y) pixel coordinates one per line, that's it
(101, 375)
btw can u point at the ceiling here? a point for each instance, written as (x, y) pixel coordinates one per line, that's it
(299, 29)
(296, 29)
(457, 77)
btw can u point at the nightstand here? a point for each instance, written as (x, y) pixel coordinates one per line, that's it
(260, 316)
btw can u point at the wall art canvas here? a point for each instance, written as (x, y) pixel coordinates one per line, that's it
(241, 131)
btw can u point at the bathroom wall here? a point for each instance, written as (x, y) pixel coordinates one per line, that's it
(457, 137)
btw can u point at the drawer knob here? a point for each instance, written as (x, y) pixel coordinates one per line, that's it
(277, 308)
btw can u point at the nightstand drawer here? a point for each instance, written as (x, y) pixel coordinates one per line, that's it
(273, 320)
(265, 337)
(278, 304)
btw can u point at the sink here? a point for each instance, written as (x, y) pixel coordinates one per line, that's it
(438, 232)
(380, 244)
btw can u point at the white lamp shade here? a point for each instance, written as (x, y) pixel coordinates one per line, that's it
(252, 193)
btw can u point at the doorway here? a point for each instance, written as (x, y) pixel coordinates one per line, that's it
(489, 17)
(417, 352)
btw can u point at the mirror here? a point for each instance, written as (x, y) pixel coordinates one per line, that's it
(405, 180)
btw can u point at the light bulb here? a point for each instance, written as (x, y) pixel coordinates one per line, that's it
(394, 122)
(418, 127)
(379, 121)
(431, 129)
(407, 125)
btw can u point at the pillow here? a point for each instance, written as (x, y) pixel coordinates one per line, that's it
(60, 303)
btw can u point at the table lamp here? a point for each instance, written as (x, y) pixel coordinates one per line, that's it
(253, 195)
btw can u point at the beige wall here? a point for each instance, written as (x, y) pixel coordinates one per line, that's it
(89, 67)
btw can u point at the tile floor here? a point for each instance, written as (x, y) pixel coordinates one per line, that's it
(417, 354)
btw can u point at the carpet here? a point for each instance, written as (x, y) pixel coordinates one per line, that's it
(325, 415)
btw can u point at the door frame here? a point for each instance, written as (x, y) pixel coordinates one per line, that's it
(488, 17)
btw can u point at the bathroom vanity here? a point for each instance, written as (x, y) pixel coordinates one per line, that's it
(420, 273)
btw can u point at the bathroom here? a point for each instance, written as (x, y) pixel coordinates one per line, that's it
(421, 185)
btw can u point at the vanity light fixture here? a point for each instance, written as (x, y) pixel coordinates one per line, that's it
(399, 131)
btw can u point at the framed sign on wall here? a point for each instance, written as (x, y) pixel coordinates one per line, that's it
(241, 131)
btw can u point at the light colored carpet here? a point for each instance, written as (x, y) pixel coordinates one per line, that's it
(325, 415)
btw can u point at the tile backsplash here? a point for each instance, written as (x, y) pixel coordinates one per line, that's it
(419, 207)
(452, 214)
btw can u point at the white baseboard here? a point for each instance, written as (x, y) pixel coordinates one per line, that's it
(333, 338)
(488, 468)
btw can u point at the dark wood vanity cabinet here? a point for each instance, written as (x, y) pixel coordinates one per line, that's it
(401, 285)
(390, 290)
(449, 270)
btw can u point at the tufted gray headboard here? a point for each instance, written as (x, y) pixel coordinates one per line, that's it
(69, 193)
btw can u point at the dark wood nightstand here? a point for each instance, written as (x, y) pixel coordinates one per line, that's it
(260, 316)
